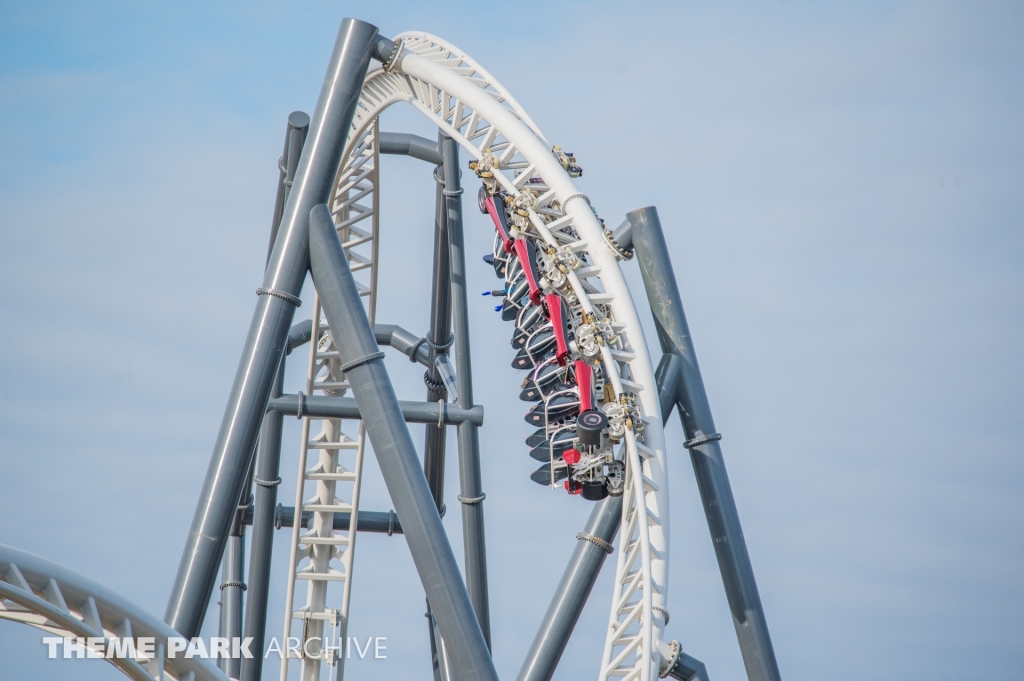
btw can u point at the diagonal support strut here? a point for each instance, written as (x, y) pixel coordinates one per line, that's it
(396, 453)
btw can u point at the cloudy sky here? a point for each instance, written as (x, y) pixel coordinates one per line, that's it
(842, 187)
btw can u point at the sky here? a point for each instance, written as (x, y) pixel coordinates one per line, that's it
(842, 189)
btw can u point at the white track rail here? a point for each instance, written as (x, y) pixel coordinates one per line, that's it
(322, 557)
(44, 595)
(469, 105)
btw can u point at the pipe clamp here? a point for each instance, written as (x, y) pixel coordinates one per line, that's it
(359, 361)
(702, 440)
(596, 541)
(294, 300)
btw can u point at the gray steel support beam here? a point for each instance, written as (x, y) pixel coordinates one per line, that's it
(232, 583)
(437, 340)
(403, 341)
(435, 653)
(268, 331)
(261, 518)
(669, 376)
(294, 138)
(377, 522)
(405, 144)
(386, 334)
(383, 49)
(585, 564)
(361, 360)
(220, 620)
(348, 408)
(298, 335)
(706, 455)
(269, 457)
(572, 592)
(233, 573)
(471, 496)
(435, 435)
(687, 668)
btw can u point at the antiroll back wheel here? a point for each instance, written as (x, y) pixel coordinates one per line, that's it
(558, 231)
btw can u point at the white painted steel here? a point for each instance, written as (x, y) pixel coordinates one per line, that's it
(323, 557)
(44, 595)
(469, 105)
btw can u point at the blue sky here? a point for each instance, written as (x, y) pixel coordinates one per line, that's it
(842, 187)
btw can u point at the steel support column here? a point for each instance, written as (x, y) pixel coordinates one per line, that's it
(231, 592)
(435, 434)
(348, 408)
(294, 139)
(275, 308)
(572, 592)
(705, 451)
(406, 144)
(386, 334)
(435, 651)
(471, 496)
(437, 340)
(366, 521)
(267, 479)
(362, 361)
(269, 457)
(585, 564)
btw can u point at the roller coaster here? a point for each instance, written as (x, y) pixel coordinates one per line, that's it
(595, 399)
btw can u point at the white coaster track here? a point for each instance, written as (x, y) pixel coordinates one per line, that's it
(469, 105)
(41, 594)
(323, 555)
